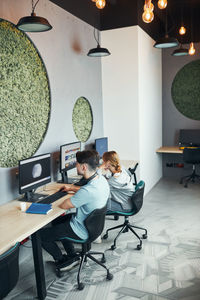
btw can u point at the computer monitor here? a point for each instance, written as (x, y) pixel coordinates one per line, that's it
(101, 145)
(189, 137)
(68, 158)
(34, 172)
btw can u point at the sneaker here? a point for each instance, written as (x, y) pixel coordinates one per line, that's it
(98, 240)
(68, 262)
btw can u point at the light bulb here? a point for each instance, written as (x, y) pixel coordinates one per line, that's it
(147, 16)
(162, 4)
(151, 6)
(192, 50)
(100, 3)
(182, 30)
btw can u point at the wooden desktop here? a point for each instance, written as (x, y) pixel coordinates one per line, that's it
(16, 225)
(169, 149)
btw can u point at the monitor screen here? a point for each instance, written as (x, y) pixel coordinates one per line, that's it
(101, 145)
(189, 137)
(68, 155)
(34, 172)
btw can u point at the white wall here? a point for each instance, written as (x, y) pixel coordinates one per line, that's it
(150, 109)
(132, 99)
(120, 91)
(71, 73)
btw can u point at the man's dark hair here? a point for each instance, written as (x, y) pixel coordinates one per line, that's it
(90, 157)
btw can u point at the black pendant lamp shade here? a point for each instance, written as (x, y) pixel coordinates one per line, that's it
(166, 42)
(180, 52)
(33, 23)
(98, 52)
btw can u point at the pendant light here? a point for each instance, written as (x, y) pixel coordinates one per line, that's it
(100, 4)
(148, 14)
(182, 29)
(192, 48)
(162, 4)
(98, 51)
(166, 41)
(33, 23)
(180, 51)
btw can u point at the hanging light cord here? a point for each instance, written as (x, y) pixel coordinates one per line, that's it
(34, 5)
(96, 38)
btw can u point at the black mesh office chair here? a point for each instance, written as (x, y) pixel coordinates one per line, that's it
(137, 202)
(94, 224)
(191, 156)
(9, 270)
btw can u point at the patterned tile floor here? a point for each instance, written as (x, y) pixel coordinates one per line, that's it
(167, 267)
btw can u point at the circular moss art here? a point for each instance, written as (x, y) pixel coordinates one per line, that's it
(186, 90)
(82, 119)
(24, 96)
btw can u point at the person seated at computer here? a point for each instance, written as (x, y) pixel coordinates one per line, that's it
(120, 182)
(86, 198)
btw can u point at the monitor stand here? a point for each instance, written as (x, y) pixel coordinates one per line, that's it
(32, 197)
(68, 180)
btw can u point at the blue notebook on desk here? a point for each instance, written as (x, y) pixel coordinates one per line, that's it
(39, 208)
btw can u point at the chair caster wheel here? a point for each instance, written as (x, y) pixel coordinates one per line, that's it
(144, 236)
(103, 260)
(116, 218)
(109, 276)
(58, 273)
(113, 247)
(80, 286)
(139, 247)
(105, 236)
(185, 186)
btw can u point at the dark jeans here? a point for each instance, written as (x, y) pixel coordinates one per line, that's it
(60, 228)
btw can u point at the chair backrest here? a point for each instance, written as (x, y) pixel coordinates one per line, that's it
(9, 270)
(191, 155)
(94, 223)
(132, 171)
(137, 197)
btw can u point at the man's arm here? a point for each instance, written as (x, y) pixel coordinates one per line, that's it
(66, 204)
(70, 188)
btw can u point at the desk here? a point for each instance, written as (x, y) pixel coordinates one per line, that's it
(15, 226)
(170, 149)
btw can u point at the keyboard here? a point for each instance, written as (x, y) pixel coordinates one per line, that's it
(52, 198)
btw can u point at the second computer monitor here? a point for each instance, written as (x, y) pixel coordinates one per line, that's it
(101, 145)
(68, 158)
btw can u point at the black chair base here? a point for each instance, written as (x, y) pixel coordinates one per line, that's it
(125, 227)
(189, 178)
(84, 255)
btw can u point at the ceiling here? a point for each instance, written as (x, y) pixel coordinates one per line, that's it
(123, 13)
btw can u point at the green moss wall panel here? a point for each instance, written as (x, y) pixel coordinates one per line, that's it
(82, 119)
(24, 96)
(186, 90)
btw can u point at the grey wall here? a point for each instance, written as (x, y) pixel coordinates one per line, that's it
(71, 73)
(173, 120)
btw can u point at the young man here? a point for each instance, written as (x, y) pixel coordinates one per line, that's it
(87, 198)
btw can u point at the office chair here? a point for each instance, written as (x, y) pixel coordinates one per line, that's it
(191, 156)
(9, 270)
(94, 224)
(132, 171)
(137, 202)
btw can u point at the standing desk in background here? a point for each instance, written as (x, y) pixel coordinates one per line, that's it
(15, 226)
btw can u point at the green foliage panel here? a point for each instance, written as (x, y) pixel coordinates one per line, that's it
(186, 90)
(24, 96)
(82, 119)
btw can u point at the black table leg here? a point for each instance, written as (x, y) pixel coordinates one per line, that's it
(39, 266)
